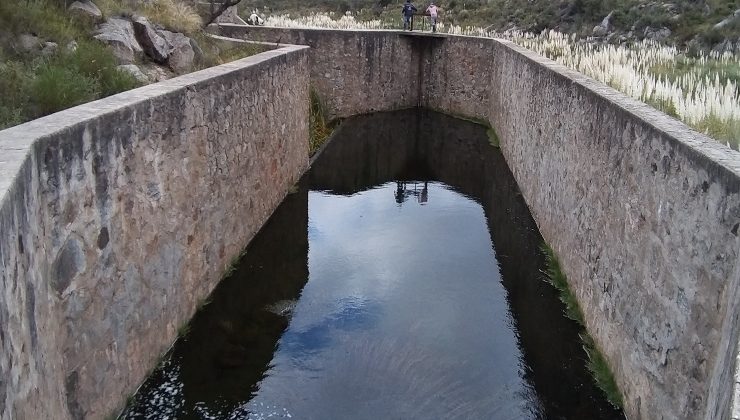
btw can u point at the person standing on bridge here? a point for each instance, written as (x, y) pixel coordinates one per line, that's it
(433, 11)
(408, 12)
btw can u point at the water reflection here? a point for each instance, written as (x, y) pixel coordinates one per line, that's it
(423, 298)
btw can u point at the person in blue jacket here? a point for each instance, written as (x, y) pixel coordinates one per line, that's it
(407, 11)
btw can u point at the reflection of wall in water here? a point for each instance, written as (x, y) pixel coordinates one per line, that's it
(232, 340)
(419, 145)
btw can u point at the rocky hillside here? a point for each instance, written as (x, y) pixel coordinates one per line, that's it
(55, 53)
(703, 23)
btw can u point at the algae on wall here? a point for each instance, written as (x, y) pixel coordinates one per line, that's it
(596, 363)
(319, 128)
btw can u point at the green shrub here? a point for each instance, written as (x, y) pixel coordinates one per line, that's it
(14, 83)
(113, 80)
(46, 18)
(57, 87)
(93, 59)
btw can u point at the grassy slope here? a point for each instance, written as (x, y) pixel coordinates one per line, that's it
(33, 85)
(688, 20)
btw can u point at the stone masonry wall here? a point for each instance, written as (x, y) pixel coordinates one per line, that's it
(119, 216)
(642, 211)
(354, 72)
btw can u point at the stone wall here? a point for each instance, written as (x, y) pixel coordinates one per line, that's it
(642, 211)
(354, 72)
(119, 216)
(358, 72)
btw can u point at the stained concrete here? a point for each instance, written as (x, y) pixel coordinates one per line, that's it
(119, 216)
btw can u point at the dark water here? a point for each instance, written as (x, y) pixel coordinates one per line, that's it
(401, 281)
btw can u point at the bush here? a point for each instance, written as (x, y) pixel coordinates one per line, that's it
(57, 87)
(94, 60)
(42, 17)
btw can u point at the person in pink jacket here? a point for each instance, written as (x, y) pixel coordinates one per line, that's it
(433, 11)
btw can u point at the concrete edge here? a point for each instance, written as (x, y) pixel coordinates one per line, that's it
(273, 45)
(339, 31)
(16, 142)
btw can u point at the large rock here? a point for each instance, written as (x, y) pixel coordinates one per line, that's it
(599, 30)
(86, 9)
(49, 49)
(119, 35)
(728, 20)
(156, 73)
(657, 34)
(725, 46)
(135, 71)
(603, 28)
(182, 54)
(27, 43)
(154, 44)
(230, 15)
(199, 54)
(606, 22)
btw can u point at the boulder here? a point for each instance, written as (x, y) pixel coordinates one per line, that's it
(199, 54)
(725, 46)
(27, 43)
(606, 22)
(135, 71)
(49, 49)
(156, 73)
(182, 54)
(86, 10)
(118, 34)
(230, 15)
(728, 20)
(657, 34)
(71, 46)
(154, 44)
(603, 28)
(599, 30)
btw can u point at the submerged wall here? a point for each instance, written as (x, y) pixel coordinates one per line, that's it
(642, 211)
(119, 216)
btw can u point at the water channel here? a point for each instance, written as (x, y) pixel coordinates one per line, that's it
(402, 280)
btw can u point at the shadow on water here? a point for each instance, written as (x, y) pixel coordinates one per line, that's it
(256, 352)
